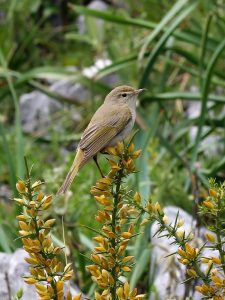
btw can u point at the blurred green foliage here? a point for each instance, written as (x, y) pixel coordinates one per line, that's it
(173, 48)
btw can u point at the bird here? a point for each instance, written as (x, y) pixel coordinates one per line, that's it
(111, 123)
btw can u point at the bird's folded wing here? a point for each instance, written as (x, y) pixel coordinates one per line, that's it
(99, 133)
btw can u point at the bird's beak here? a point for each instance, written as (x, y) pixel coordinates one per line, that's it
(137, 92)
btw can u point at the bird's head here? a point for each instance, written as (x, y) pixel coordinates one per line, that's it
(123, 94)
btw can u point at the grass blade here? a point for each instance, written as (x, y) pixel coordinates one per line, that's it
(8, 155)
(203, 47)
(112, 17)
(142, 264)
(165, 20)
(181, 95)
(18, 129)
(159, 46)
(205, 92)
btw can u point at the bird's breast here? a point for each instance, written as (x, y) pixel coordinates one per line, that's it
(125, 132)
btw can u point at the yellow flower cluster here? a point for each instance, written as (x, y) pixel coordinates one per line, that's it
(46, 270)
(214, 289)
(213, 278)
(214, 206)
(188, 254)
(115, 215)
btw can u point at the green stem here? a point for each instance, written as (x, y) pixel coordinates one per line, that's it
(116, 200)
(37, 229)
(219, 241)
(180, 242)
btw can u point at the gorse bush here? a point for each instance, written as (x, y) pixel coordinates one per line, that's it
(120, 212)
(117, 216)
(209, 280)
(46, 270)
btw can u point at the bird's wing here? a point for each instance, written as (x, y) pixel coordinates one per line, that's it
(103, 127)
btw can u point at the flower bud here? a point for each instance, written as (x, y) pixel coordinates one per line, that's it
(20, 186)
(208, 204)
(180, 232)
(120, 148)
(180, 223)
(216, 260)
(137, 197)
(213, 193)
(210, 237)
(158, 208)
(144, 222)
(30, 280)
(192, 273)
(165, 219)
(36, 185)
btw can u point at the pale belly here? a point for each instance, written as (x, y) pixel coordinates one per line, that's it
(123, 134)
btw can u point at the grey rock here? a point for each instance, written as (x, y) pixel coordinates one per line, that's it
(13, 267)
(70, 90)
(167, 272)
(5, 192)
(36, 109)
(4, 288)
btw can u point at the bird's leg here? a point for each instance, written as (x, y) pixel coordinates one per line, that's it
(97, 164)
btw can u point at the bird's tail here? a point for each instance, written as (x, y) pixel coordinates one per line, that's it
(72, 172)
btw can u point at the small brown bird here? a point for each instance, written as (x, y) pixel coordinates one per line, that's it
(111, 123)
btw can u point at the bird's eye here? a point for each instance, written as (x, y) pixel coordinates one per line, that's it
(124, 95)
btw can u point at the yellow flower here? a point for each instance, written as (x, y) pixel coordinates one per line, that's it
(137, 197)
(192, 273)
(136, 154)
(126, 269)
(126, 235)
(120, 148)
(103, 200)
(77, 297)
(30, 280)
(216, 260)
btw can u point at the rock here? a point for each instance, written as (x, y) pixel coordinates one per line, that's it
(70, 90)
(38, 109)
(13, 267)
(167, 272)
(5, 192)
